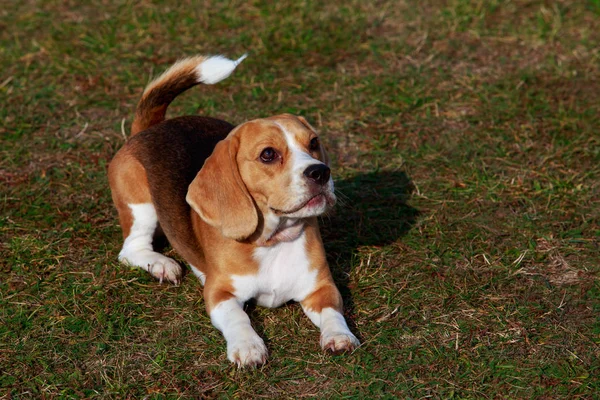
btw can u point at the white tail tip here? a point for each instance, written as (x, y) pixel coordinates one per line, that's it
(239, 60)
(216, 68)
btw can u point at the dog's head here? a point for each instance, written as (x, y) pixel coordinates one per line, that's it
(269, 173)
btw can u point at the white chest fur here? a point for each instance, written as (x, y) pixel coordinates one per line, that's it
(284, 274)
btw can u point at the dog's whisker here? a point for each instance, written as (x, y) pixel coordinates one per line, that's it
(342, 199)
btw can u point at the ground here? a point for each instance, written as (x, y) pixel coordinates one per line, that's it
(465, 147)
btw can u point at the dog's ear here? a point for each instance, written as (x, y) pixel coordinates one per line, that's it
(219, 195)
(324, 155)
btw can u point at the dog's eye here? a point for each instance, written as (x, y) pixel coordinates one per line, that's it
(268, 155)
(314, 144)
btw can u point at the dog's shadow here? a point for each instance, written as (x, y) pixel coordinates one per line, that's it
(372, 210)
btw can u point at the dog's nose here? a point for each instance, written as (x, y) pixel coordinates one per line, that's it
(318, 173)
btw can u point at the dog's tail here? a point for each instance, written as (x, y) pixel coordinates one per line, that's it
(181, 76)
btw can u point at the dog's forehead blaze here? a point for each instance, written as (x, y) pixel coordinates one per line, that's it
(296, 133)
(285, 133)
(299, 137)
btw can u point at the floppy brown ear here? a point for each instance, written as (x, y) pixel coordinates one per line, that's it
(324, 155)
(219, 195)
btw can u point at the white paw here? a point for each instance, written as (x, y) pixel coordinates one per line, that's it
(161, 267)
(249, 351)
(339, 342)
(166, 270)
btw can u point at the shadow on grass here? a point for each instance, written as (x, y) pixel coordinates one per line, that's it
(372, 210)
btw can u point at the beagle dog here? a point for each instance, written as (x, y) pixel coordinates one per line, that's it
(238, 203)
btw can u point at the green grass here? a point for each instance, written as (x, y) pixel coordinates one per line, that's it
(464, 140)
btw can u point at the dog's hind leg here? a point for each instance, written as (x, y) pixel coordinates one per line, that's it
(138, 218)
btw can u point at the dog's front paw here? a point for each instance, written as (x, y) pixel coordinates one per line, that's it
(339, 342)
(248, 351)
(165, 269)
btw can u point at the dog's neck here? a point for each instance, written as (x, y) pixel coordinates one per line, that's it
(277, 229)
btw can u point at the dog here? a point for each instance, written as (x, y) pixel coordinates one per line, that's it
(238, 203)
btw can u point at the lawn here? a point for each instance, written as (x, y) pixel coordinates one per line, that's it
(465, 148)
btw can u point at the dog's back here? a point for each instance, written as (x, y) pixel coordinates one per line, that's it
(171, 161)
(150, 175)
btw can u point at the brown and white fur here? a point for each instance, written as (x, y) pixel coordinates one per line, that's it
(239, 204)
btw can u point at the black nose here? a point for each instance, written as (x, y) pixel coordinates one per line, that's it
(318, 173)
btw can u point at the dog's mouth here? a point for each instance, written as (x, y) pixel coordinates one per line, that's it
(315, 201)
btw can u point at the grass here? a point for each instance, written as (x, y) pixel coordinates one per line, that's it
(465, 146)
